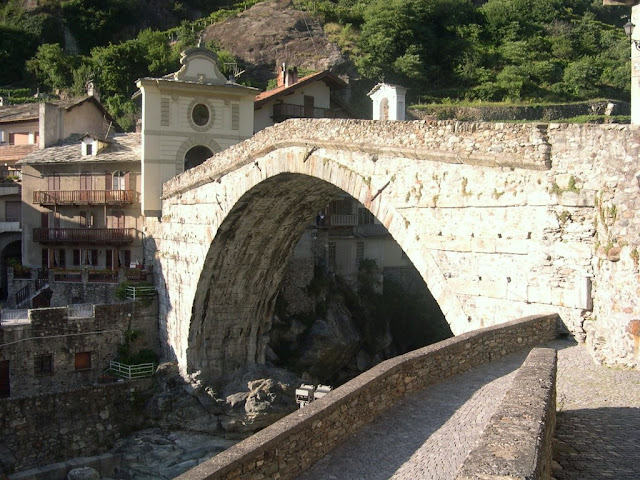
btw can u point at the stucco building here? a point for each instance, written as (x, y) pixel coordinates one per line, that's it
(187, 116)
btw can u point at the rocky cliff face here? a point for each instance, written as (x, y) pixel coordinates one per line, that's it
(271, 33)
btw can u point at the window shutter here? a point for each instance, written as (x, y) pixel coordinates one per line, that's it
(109, 259)
(44, 219)
(127, 179)
(107, 181)
(94, 257)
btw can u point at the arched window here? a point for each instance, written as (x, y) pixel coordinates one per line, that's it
(384, 109)
(195, 156)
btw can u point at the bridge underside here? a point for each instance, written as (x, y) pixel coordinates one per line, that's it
(236, 296)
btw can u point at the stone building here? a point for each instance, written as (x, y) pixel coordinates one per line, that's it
(81, 207)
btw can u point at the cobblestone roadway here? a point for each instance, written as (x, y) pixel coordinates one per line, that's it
(429, 434)
(598, 427)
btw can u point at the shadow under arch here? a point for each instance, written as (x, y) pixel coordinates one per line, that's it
(243, 269)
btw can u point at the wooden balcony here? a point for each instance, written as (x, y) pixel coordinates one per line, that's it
(103, 236)
(83, 197)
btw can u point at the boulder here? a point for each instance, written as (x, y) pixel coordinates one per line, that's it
(256, 397)
(330, 344)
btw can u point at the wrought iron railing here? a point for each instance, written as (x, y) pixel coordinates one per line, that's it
(83, 197)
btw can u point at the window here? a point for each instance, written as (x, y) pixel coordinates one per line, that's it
(124, 258)
(365, 217)
(117, 219)
(83, 256)
(200, 114)
(44, 258)
(332, 255)
(86, 182)
(13, 211)
(359, 252)
(58, 257)
(119, 181)
(86, 219)
(83, 361)
(341, 207)
(43, 364)
(5, 383)
(53, 182)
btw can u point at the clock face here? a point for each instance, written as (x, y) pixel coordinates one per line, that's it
(200, 114)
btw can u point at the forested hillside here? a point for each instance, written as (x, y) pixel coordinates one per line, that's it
(495, 50)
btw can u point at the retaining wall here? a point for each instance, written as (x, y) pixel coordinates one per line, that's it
(291, 445)
(44, 429)
(517, 443)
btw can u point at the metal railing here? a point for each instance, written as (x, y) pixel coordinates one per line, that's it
(137, 292)
(123, 370)
(67, 276)
(83, 197)
(83, 235)
(23, 294)
(103, 276)
(336, 220)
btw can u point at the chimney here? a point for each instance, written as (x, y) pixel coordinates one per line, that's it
(282, 73)
(92, 91)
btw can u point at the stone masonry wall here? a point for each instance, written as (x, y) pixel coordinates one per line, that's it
(49, 428)
(501, 221)
(291, 445)
(518, 441)
(52, 332)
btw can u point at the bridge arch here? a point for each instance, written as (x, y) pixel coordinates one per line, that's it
(267, 206)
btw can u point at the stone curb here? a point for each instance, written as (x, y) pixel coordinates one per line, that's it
(517, 443)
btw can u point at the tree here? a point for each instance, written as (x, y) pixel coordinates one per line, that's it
(51, 66)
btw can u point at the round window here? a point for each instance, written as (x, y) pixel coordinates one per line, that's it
(200, 114)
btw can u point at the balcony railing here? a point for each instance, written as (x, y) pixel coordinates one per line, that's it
(337, 220)
(83, 197)
(287, 110)
(84, 235)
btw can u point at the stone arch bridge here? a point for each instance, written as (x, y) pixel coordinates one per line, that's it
(501, 221)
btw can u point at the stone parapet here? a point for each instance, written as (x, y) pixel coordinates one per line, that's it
(517, 443)
(289, 446)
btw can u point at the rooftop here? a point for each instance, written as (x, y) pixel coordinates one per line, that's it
(329, 78)
(125, 147)
(30, 111)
